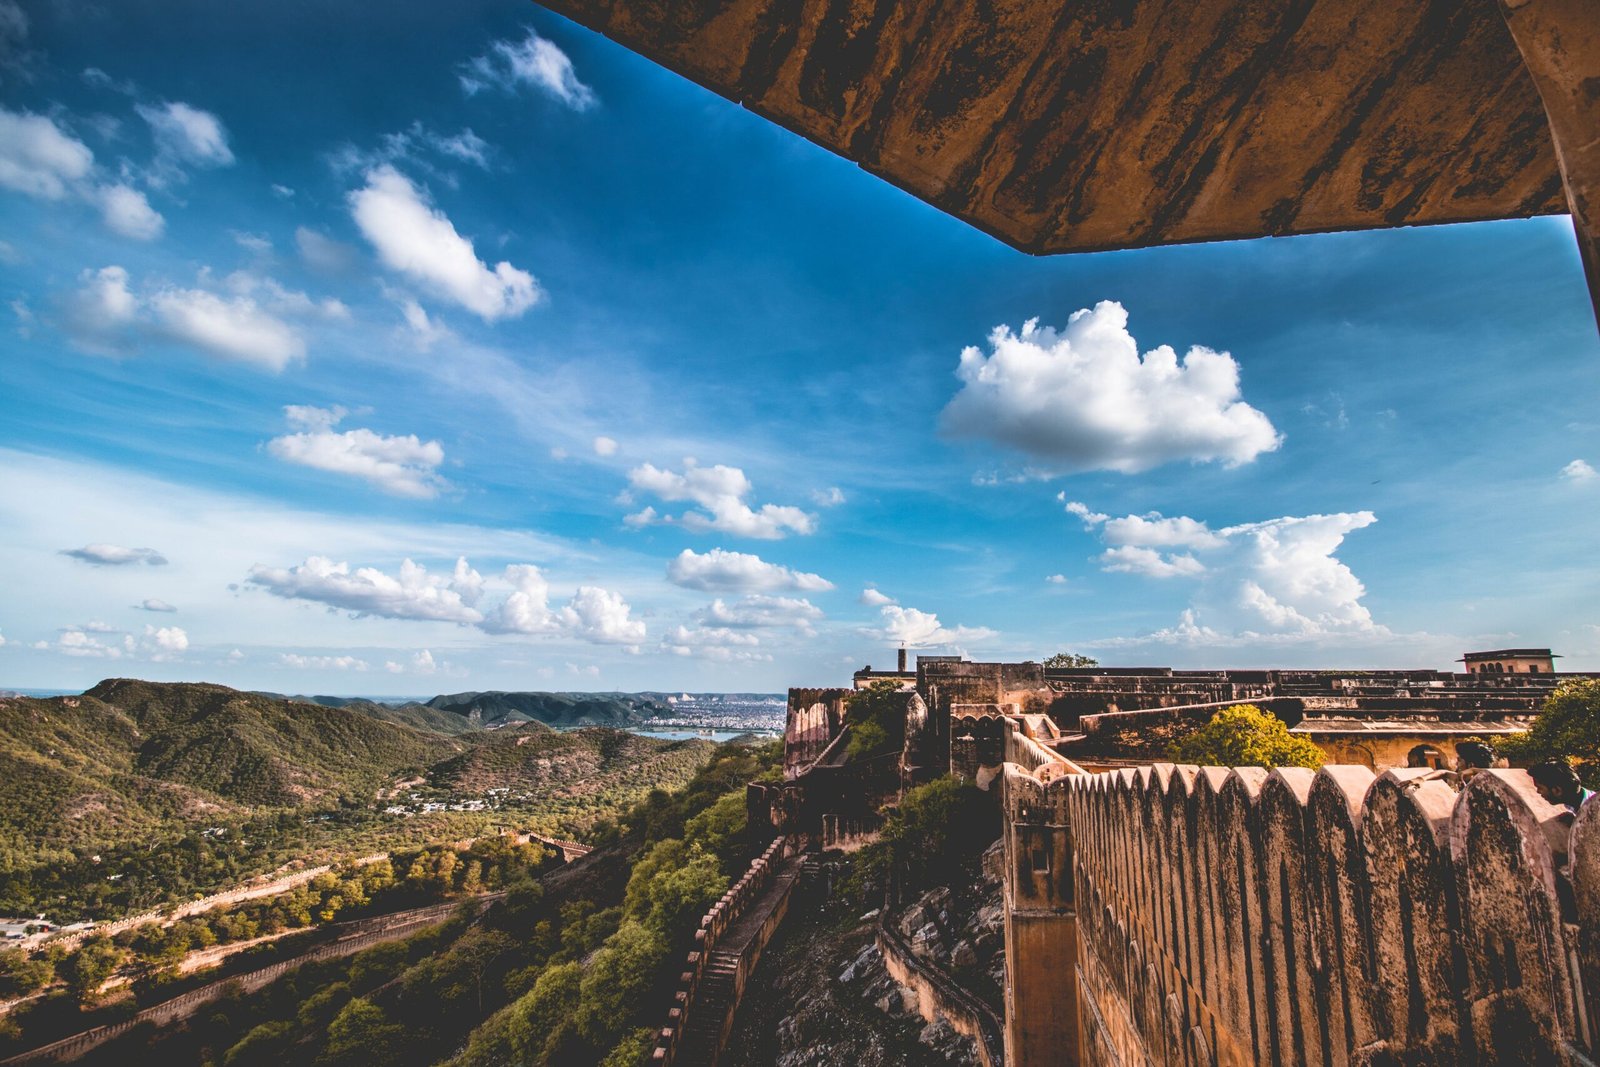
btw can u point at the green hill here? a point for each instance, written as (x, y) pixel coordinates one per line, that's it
(569, 763)
(128, 756)
(555, 709)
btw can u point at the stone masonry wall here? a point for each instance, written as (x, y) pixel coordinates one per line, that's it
(1240, 917)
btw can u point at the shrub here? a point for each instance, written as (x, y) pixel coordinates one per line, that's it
(1246, 736)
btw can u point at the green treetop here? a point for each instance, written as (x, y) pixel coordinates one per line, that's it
(1246, 736)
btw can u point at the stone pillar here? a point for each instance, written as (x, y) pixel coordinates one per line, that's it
(1560, 44)
(1041, 925)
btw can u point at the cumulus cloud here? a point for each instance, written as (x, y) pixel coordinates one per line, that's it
(39, 158)
(605, 446)
(418, 663)
(1082, 398)
(416, 239)
(758, 612)
(738, 572)
(720, 491)
(1057, 579)
(234, 328)
(104, 555)
(296, 661)
(401, 465)
(247, 322)
(187, 134)
(921, 629)
(875, 599)
(1579, 471)
(593, 614)
(154, 604)
(827, 498)
(534, 62)
(413, 593)
(719, 644)
(98, 641)
(127, 212)
(1276, 578)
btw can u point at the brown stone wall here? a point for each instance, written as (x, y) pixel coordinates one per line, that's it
(814, 718)
(1237, 917)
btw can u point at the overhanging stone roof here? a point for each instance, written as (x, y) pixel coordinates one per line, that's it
(1081, 125)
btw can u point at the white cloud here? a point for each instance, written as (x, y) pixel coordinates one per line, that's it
(415, 238)
(188, 134)
(296, 661)
(322, 252)
(1279, 577)
(465, 146)
(404, 466)
(601, 615)
(154, 604)
(233, 328)
(1057, 579)
(104, 315)
(99, 314)
(99, 641)
(425, 332)
(739, 572)
(533, 61)
(419, 663)
(105, 555)
(605, 446)
(259, 243)
(874, 599)
(127, 212)
(827, 498)
(721, 492)
(713, 643)
(38, 158)
(1579, 471)
(1131, 559)
(757, 612)
(1083, 399)
(593, 614)
(413, 593)
(922, 629)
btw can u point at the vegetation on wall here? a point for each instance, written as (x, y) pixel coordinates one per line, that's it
(934, 837)
(876, 716)
(1070, 659)
(1567, 728)
(1246, 736)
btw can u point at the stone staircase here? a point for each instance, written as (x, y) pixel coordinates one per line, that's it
(714, 1002)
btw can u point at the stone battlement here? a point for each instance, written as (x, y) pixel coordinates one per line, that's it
(1206, 915)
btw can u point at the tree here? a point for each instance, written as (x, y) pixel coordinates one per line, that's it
(616, 987)
(21, 974)
(877, 719)
(362, 1034)
(1071, 659)
(87, 969)
(1567, 728)
(1246, 736)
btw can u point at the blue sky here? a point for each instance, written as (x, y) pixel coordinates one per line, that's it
(296, 295)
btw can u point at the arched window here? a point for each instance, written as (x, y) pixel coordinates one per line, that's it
(1426, 756)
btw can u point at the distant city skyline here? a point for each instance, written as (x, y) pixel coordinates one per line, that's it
(465, 349)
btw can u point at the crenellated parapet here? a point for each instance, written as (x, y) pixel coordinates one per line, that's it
(1241, 917)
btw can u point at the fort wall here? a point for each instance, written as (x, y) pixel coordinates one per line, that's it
(1186, 915)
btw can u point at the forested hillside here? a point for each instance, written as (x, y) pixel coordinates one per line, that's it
(138, 792)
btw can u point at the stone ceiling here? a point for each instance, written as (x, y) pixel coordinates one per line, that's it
(1080, 125)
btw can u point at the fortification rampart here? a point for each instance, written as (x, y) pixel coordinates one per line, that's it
(813, 720)
(692, 998)
(1184, 915)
